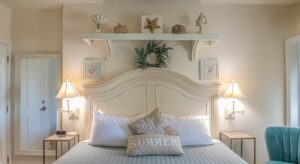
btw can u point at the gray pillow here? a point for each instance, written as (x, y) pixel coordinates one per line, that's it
(153, 123)
(154, 144)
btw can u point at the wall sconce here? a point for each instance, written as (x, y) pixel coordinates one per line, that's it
(233, 92)
(67, 93)
(71, 107)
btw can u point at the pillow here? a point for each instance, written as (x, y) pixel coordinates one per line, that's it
(110, 130)
(154, 144)
(193, 131)
(153, 123)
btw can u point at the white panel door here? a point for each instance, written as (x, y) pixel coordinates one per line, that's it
(4, 93)
(38, 79)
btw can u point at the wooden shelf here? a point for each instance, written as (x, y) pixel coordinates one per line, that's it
(196, 39)
(141, 36)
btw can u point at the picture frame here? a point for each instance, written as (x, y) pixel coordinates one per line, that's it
(209, 69)
(159, 23)
(92, 69)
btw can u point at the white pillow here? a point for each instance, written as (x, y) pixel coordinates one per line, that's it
(111, 130)
(193, 131)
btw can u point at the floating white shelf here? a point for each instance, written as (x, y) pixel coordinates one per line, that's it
(196, 39)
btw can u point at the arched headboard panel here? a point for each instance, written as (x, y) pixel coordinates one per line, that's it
(140, 91)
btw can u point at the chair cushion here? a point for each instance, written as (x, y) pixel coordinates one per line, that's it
(283, 144)
(277, 162)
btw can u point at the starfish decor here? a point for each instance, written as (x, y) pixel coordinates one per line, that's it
(152, 24)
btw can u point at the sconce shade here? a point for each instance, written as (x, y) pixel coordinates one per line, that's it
(67, 90)
(233, 91)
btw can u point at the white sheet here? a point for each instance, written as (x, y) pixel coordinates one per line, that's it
(82, 153)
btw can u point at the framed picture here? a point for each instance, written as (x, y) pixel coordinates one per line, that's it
(152, 24)
(92, 69)
(209, 69)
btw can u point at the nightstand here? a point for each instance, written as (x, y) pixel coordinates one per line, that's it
(55, 138)
(238, 135)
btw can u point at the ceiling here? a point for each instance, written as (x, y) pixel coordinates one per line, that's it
(55, 4)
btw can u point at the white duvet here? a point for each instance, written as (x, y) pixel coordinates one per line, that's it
(83, 153)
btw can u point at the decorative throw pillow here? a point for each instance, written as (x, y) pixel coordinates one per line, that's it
(153, 123)
(154, 144)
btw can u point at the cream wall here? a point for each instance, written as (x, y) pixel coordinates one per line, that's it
(37, 31)
(5, 19)
(251, 51)
(295, 14)
(291, 22)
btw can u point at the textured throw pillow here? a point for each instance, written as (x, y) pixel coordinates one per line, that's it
(154, 144)
(193, 131)
(111, 130)
(153, 123)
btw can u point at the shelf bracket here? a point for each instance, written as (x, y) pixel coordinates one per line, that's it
(108, 49)
(195, 48)
(102, 46)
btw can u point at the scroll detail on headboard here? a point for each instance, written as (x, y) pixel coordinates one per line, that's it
(140, 91)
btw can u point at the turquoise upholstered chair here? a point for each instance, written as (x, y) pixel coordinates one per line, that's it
(283, 145)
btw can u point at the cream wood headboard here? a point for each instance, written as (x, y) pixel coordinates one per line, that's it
(140, 91)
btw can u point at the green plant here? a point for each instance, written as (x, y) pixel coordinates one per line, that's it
(161, 51)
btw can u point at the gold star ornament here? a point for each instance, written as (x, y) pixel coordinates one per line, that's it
(152, 25)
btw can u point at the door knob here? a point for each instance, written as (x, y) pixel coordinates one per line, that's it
(43, 108)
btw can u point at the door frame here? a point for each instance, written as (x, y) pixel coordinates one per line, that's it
(17, 98)
(292, 75)
(8, 85)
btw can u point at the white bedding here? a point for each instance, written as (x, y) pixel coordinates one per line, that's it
(83, 153)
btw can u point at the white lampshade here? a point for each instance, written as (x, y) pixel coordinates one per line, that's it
(233, 91)
(67, 90)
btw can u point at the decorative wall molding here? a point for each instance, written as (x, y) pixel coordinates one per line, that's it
(292, 63)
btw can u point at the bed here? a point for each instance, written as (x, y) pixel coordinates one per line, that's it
(83, 153)
(139, 92)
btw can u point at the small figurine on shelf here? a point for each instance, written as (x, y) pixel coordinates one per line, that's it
(152, 24)
(98, 19)
(178, 29)
(120, 28)
(201, 20)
